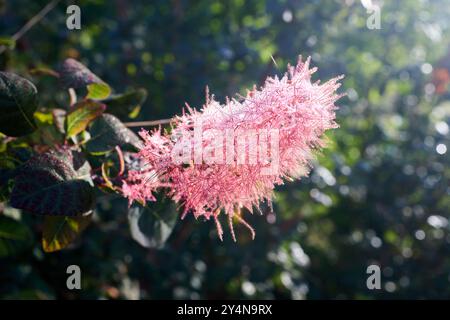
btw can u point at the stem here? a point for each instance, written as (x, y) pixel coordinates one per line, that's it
(147, 123)
(121, 161)
(30, 24)
(72, 96)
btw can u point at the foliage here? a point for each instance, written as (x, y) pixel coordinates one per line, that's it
(57, 182)
(380, 194)
(18, 101)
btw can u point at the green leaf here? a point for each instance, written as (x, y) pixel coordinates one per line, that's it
(153, 224)
(98, 91)
(44, 118)
(107, 132)
(44, 71)
(127, 104)
(54, 184)
(14, 236)
(6, 177)
(84, 112)
(18, 102)
(74, 74)
(7, 42)
(10, 160)
(59, 232)
(28, 294)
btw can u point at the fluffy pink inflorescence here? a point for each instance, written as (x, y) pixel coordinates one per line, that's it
(231, 156)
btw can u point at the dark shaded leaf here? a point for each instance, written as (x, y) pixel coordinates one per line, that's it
(14, 157)
(14, 236)
(18, 102)
(107, 132)
(84, 112)
(126, 104)
(78, 163)
(152, 225)
(54, 184)
(74, 74)
(59, 232)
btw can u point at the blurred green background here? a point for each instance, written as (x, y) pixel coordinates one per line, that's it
(378, 195)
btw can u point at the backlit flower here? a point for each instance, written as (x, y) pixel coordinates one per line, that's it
(230, 156)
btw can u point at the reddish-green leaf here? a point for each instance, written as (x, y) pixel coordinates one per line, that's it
(84, 112)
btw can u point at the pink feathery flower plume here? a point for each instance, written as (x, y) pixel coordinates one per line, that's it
(230, 156)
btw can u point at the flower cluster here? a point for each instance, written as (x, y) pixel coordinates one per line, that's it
(229, 156)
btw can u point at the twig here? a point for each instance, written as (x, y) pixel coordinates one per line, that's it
(121, 161)
(72, 96)
(38, 17)
(147, 123)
